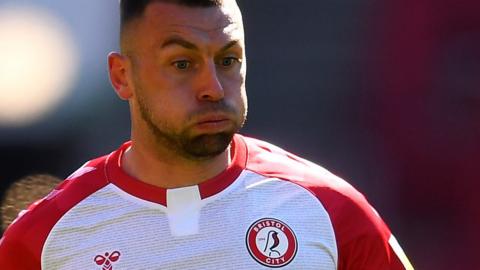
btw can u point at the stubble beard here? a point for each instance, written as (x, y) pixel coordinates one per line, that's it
(182, 143)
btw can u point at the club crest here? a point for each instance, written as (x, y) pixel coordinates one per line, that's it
(271, 242)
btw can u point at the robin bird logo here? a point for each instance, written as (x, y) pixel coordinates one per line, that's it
(272, 242)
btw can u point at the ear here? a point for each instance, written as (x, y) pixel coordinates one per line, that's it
(118, 68)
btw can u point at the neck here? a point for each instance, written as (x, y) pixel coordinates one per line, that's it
(168, 170)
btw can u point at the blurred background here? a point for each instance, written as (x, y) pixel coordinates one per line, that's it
(383, 93)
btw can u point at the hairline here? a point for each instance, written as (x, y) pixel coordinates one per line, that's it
(125, 25)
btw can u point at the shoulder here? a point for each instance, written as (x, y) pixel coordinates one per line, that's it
(22, 242)
(362, 236)
(336, 194)
(272, 161)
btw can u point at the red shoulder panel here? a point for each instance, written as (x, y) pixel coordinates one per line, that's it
(362, 236)
(22, 243)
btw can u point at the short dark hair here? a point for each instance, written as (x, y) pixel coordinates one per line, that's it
(131, 9)
(22, 193)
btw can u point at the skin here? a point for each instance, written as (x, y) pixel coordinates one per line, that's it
(182, 70)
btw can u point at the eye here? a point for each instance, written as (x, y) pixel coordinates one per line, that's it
(229, 61)
(182, 64)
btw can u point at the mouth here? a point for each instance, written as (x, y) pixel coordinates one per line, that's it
(213, 119)
(213, 123)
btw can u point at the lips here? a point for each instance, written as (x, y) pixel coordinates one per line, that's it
(212, 118)
(213, 122)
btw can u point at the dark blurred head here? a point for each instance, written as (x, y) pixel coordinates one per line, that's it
(23, 192)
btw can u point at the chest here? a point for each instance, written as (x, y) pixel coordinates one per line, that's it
(247, 229)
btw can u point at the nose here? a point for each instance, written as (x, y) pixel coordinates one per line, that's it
(210, 87)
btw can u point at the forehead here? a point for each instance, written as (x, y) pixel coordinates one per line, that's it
(162, 19)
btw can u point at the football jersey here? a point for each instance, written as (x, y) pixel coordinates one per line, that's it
(268, 209)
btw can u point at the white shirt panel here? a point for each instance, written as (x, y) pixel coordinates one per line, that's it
(183, 210)
(110, 220)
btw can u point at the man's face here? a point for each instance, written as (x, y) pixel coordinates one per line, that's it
(188, 74)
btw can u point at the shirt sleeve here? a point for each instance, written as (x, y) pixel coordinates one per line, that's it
(15, 254)
(364, 241)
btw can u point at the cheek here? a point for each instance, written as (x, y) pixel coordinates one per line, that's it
(244, 101)
(166, 92)
(234, 88)
(233, 81)
(244, 97)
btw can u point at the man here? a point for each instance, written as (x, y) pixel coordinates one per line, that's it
(188, 192)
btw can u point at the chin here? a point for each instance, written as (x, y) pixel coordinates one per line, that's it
(208, 145)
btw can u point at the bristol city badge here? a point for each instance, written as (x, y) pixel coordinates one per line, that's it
(271, 242)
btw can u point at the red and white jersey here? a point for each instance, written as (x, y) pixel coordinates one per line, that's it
(268, 209)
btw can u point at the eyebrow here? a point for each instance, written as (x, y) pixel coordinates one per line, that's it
(180, 42)
(230, 44)
(190, 46)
